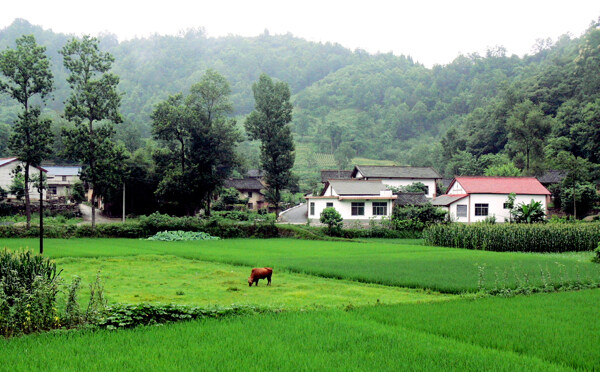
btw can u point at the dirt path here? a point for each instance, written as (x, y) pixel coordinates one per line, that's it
(86, 214)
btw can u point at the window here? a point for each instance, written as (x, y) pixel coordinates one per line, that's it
(312, 209)
(64, 178)
(481, 209)
(379, 208)
(329, 205)
(426, 190)
(358, 209)
(506, 206)
(249, 194)
(461, 210)
(52, 190)
(250, 205)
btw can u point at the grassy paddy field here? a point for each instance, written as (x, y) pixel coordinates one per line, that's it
(409, 329)
(409, 264)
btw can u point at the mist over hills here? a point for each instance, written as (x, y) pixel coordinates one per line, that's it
(381, 106)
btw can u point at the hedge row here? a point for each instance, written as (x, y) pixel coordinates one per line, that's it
(516, 237)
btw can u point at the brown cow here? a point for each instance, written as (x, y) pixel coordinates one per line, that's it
(261, 273)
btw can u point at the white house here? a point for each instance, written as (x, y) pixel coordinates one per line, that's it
(472, 199)
(7, 166)
(397, 176)
(60, 180)
(358, 200)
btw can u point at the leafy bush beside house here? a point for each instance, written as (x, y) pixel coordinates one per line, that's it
(333, 219)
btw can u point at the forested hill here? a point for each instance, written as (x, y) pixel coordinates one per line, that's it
(377, 106)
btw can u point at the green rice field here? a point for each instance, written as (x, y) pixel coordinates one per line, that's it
(409, 264)
(370, 305)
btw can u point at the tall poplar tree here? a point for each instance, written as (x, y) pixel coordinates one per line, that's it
(26, 74)
(269, 123)
(93, 107)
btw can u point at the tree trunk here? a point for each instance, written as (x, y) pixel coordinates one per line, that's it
(207, 211)
(41, 213)
(574, 202)
(93, 209)
(27, 201)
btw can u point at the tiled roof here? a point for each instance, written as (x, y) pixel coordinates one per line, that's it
(387, 171)
(335, 175)
(552, 176)
(356, 187)
(255, 173)
(63, 170)
(446, 200)
(501, 185)
(244, 184)
(445, 183)
(411, 198)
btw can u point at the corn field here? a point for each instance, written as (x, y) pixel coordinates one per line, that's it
(516, 237)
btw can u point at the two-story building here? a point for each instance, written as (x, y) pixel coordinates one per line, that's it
(60, 180)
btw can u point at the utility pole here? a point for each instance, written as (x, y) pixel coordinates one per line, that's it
(123, 202)
(41, 190)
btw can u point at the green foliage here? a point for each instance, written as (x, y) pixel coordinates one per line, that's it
(78, 192)
(129, 316)
(94, 99)
(585, 198)
(228, 198)
(171, 236)
(422, 214)
(269, 123)
(516, 237)
(596, 257)
(504, 170)
(28, 290)
(17, 186)
(333, 219)
(529, 213)
(200, 143)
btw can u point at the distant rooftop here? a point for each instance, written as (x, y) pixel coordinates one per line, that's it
(329, 174)
(410, 198)
(552, 176)
(69, 170)
(255, 173)
(4, 161)
(392, 171)
(244, 184)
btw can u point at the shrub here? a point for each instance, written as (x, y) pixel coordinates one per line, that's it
(596, 257)
(129, 316)
(529, 213)
(170, 236)
(28, 289)
(333, 220)
(516, 237)
(416, 217)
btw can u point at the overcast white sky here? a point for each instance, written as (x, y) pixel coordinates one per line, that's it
(429, 31)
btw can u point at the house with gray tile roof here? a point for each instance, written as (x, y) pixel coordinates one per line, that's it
(398, 176)
(250, 188)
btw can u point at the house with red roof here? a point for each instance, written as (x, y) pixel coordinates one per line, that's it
(474, 198)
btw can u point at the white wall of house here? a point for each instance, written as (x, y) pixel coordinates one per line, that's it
(456, 189)
(6, 179)
(495, 204)
(344, 207)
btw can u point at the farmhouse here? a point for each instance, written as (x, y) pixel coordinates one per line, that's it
(7, 166)
(61, 179)
(250, 188)
(358, 200)
(397, 176)
(472, 199)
